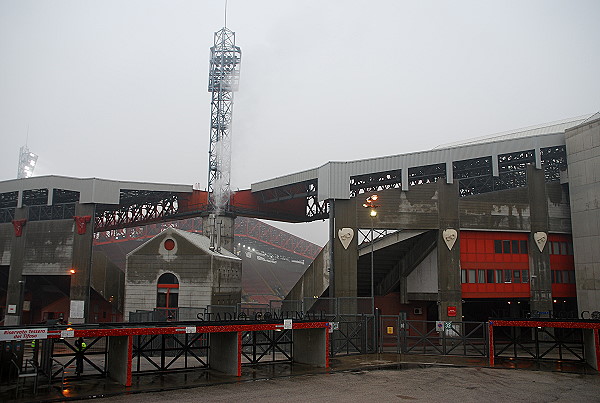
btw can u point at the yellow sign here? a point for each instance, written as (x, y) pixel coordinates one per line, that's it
(390, 330)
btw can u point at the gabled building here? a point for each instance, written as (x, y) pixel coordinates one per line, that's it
(178, 269)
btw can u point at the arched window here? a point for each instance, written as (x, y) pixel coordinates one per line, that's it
(167, 291)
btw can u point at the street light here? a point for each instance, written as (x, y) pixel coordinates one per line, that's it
(370, 204)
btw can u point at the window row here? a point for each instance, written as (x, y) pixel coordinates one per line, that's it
(502, 246)
(494, 276)
(506, 276)
(515, 246)
(563, 276)
(560, 248)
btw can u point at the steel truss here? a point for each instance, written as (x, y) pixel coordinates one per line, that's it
(162, 352)
(257, 346)
(314, 209)
(35, 197)
(136, 207)
(539, 343)
(426, 174)
(512, 169)
(364, 235)
(554, 161)
(65, 355)
(375, 182)
(53, 212)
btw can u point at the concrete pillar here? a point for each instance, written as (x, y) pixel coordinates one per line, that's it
(225, 227)
(16, 280)
(225, 353)
(82, 264)
(120, 350)
(403, 289)
(345, 260)
(539, 262)
(449, 284)
(310, 347)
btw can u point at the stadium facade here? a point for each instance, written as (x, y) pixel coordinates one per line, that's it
(504, 225)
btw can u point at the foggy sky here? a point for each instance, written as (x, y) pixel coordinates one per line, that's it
(118, 89)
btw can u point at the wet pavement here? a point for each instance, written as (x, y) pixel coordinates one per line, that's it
(402, 365)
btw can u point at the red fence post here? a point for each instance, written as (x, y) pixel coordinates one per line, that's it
(491, 342)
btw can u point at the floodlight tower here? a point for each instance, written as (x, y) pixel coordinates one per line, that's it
(27, 161)
(223, 81)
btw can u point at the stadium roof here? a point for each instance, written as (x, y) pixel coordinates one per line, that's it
(333, 178)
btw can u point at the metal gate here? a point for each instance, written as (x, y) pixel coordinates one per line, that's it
(353, 334)
(398, 335)
(539, 343)
(163, 352)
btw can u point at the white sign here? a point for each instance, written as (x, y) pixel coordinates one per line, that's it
(439, 325)
(540, 239)
(67, 333)
(26, 306)
(345, 235)
(450, 235)
(190, 329)
(12, 309)
(23, 334)
(287, 323)
(77, 309)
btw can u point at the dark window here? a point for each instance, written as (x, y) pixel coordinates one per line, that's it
(516, 276)
(490, 276)
(498, 246)
(507, 276)
(505, 246)
(557, 276)
(569, 248)
(524, 247)
(525, 274)
(168, 278)
(515, 246)
(563, 248)
(167, 291)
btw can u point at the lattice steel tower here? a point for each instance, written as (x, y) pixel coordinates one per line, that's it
(223, 80)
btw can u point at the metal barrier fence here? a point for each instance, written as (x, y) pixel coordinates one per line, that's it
(539, 343)
(162, 352)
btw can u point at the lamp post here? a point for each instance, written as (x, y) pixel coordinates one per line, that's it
(370, 204)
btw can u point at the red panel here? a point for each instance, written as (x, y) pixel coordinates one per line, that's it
(18, 226)
(248, 204)
(195, 201)
(129, 359)
(597, 346)
(478, 253)
(491, 343)
(564, 290)
(181, 329)
(239, 354)
(532, 323)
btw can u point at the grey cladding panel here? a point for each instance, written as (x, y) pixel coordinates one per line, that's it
(415, 209)
(503, 210)
(559, 213)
